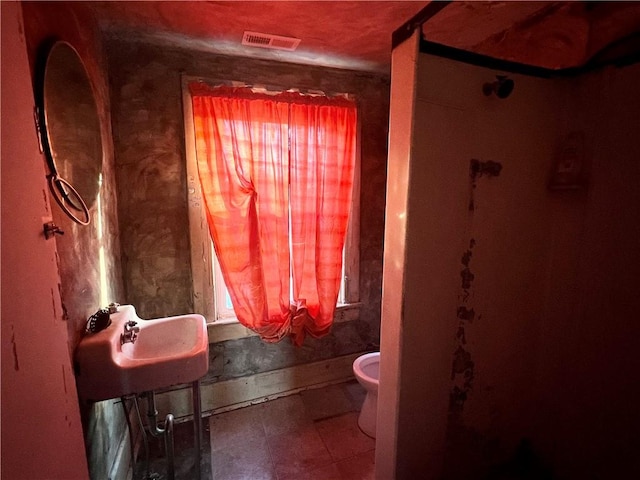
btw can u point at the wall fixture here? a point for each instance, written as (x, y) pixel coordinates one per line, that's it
(51, 229)
(69, 126)
(502, 87)
(569, 169)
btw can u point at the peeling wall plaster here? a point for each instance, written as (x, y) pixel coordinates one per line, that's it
(14, 349)
(462, 369)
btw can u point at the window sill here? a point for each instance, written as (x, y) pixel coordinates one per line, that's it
(231, 329)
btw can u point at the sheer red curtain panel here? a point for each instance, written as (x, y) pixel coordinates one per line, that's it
(276, 173)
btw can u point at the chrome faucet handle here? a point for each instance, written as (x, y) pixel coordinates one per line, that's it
(130, 332)
(130, 326)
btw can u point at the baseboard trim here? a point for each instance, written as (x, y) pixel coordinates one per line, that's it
(240, 392)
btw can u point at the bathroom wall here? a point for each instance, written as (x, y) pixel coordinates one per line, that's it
(516, 299)
(586, 414)
(148, 127)
(86, 283)
(41, 427)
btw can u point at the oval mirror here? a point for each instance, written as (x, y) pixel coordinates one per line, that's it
(72, 135)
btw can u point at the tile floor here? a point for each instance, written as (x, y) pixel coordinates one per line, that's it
(312, 435)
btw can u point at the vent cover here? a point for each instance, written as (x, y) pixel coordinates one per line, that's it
(266, 40)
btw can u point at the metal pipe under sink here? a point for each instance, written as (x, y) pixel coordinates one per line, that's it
(197, 426)
(166, 431)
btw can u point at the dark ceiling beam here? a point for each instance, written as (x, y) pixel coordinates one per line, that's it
(620, 53)
(406, 30)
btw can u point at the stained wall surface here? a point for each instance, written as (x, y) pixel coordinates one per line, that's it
(152, 190)
(87, 282)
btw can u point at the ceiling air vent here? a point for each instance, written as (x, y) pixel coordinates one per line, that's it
(266, 40)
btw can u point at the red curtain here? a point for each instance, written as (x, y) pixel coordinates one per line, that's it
(277, 175)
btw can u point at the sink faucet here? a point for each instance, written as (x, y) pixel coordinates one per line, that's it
(130, 332)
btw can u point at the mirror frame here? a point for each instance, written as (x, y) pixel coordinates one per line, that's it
(65, 195)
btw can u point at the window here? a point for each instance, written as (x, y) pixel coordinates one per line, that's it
(210, 295)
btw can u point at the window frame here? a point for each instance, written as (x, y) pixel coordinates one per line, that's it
(203, 260)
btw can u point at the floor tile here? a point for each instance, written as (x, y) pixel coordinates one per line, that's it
(356, 393)
(342, 437)
(327, 472)
(250, 461)
(282, 415)
(326, 402)
(298, 453)
(360, 467)
(312, 435)
(235, 428)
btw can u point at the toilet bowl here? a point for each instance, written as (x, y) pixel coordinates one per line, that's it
(366, 368)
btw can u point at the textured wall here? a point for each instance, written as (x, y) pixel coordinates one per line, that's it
(79, 249)
(152, 198)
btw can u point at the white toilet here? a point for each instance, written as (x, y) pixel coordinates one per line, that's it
(366, 368)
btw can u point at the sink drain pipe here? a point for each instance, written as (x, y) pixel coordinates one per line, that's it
(166, 431)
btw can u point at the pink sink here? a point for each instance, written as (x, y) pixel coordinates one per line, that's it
(167, 351)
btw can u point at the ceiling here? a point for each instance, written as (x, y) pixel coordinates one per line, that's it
(344, 34)
(552, 35)
(357, 34)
